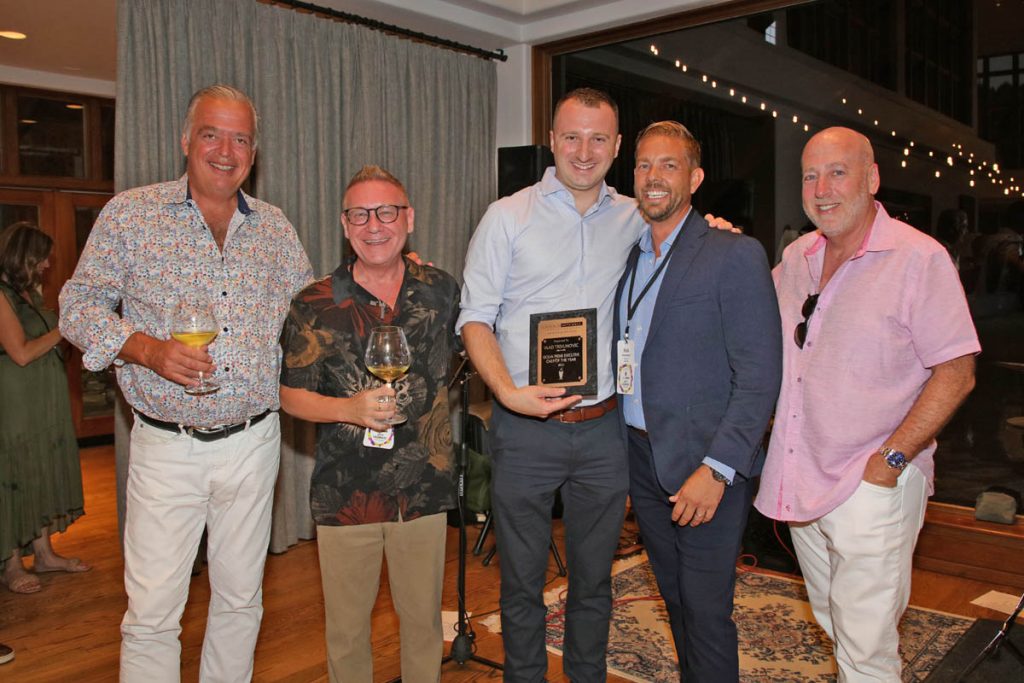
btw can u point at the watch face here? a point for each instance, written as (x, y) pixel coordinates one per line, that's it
(895, 460)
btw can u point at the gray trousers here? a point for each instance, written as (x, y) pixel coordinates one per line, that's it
(532, 460)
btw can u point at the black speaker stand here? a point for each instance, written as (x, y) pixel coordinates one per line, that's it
(999, 640)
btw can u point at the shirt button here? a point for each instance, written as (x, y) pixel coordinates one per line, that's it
(789, 508)
(223, 293)
(225, 329)
(810, 343)
(790, 450)
(799, 379)
(794, 417)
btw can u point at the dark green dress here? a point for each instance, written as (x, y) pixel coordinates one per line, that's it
(40, 474)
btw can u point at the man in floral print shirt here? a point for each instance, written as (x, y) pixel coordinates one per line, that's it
(371, 501)
(196, 461)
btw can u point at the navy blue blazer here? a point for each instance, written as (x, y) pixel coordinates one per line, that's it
(712, 364)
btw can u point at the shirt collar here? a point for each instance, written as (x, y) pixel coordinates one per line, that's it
(550, 185)
(179, 192)
(878, 238)
(647, 239)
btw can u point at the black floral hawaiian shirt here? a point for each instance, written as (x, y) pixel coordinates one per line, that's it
(324, 340)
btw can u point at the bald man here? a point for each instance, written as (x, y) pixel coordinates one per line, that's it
(878, 352)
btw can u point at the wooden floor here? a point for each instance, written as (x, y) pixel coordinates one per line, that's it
(69, 630)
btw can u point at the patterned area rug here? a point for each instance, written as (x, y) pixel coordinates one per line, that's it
(779, 640)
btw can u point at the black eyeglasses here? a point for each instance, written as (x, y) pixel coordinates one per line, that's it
(800, 333)
(385, 213)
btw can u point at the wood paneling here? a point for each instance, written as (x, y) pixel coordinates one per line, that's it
(953, 542)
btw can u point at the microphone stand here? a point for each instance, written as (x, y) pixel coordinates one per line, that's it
(464, 646)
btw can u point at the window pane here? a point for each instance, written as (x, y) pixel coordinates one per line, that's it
(107, 140)
(51, 137)
(12, 213)
(1000, 63)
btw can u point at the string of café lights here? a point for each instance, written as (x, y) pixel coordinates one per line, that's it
(977, 170)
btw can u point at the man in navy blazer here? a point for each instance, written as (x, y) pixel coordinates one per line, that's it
(699, 363)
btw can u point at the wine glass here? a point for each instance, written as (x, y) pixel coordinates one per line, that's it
(194, 324)
(388, 357)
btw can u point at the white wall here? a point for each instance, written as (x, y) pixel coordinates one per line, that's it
(514, 126)
(48, 80)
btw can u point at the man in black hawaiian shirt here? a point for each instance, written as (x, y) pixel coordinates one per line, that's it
(374, 500)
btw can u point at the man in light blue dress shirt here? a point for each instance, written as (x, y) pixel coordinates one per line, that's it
(558, 245)
(698, 330)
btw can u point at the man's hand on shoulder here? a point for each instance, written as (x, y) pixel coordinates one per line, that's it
(722, 224)
(537, 401)
(697, 499)
(417, 259)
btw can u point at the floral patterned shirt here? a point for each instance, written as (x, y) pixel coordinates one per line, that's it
(324, 341)
(149, 247)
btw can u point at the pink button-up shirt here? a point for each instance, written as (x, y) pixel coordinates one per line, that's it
(888, 314)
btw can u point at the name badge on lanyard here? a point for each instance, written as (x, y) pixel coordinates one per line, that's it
(625, 362)
(625, 366)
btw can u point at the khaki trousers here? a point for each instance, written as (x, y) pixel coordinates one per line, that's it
(350, 569)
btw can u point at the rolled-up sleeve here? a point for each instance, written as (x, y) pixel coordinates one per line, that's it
(90, 298)
(939, 318)
(487, 266)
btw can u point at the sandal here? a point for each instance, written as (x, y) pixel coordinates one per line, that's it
(24, 584)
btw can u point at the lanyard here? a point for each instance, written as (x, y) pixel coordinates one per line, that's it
(631, 305)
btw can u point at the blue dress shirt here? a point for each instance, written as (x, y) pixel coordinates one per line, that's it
(534, 253)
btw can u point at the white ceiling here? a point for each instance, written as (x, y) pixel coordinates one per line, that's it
(77, 38)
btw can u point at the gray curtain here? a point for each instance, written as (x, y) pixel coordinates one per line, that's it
(331, 97)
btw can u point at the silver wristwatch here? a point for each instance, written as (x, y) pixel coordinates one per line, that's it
(894, 458)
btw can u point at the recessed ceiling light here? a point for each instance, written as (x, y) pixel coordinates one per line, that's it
(75, 106)
(13, 35)
(29, 121)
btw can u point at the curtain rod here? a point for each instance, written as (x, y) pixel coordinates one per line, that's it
(390, 28)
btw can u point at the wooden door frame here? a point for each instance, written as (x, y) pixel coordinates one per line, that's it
(57, 219)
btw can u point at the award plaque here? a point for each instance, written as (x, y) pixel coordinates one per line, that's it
(563, 350)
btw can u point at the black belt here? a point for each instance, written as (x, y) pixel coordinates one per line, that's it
(203, 433)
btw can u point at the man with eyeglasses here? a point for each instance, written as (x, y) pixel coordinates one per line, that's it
(878, 354)
(377, 489)
(196, 461)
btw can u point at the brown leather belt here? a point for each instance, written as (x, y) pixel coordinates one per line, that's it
(640, 432)
(573, 415)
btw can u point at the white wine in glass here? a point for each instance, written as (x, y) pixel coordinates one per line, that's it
(194, 324)
(388, 357)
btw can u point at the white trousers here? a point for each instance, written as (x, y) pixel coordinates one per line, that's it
(178, 485)
(856, 562)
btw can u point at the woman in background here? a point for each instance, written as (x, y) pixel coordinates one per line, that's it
(40, 475)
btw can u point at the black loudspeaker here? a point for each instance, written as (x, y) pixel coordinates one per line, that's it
(520, 167)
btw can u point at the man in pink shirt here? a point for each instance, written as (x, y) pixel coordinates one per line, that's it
(878, 354)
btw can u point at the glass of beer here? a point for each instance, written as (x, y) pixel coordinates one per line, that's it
(388, 357)
(193, 324)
